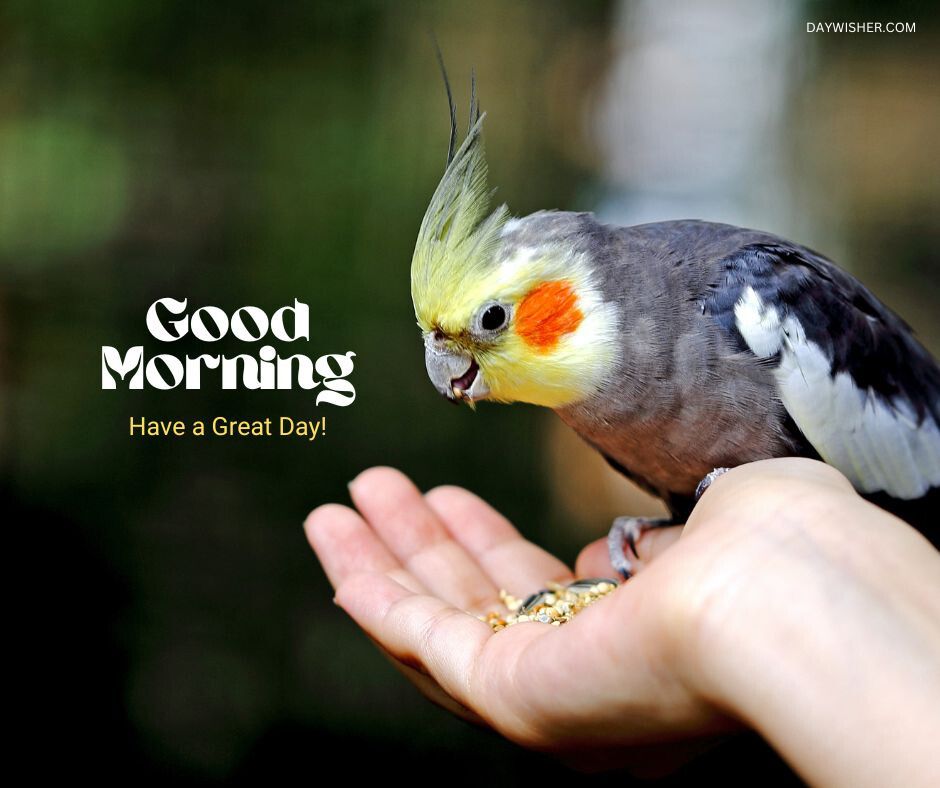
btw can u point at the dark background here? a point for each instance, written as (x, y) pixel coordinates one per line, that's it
(171, 620)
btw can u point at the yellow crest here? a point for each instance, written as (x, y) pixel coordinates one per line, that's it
(457, 239)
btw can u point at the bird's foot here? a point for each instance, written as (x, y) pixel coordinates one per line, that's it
(707, 481)
(623, 537)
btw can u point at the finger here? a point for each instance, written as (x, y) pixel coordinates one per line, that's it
(511, 562)
(594, 560)
(412, 531)
(421, 631)
(654, 542)
(345, 544)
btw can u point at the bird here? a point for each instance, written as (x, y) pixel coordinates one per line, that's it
(677, 349)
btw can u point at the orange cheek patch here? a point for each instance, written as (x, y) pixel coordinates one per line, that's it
(547, 313)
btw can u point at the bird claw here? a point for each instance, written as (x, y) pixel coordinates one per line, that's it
(625, 533)
(708, 481)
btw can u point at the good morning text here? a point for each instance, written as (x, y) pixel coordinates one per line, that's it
(168, 320)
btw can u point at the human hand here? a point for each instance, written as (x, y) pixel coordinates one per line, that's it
(714, 632)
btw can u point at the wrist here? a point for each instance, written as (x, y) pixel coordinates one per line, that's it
(824, 636)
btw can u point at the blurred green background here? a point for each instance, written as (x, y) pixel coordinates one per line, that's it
(252, 153)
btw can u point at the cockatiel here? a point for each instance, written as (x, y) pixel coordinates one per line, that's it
(676, 349)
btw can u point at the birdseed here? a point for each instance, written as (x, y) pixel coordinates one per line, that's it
(555, 605)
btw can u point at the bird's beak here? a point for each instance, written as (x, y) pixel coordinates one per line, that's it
(455, 375)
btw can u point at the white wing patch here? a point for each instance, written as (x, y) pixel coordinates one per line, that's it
(877, 444)
(759, 325)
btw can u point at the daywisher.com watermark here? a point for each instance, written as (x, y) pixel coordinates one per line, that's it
(861, 27)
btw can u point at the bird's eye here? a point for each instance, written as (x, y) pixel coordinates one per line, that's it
(493, 318)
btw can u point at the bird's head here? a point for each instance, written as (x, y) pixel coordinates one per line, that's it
(503, 319)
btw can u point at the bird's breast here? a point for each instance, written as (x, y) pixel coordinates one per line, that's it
(683, 427)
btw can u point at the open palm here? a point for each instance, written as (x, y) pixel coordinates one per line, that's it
(782, 580)
(413, 570)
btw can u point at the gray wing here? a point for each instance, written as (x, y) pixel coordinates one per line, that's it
(861, 388)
